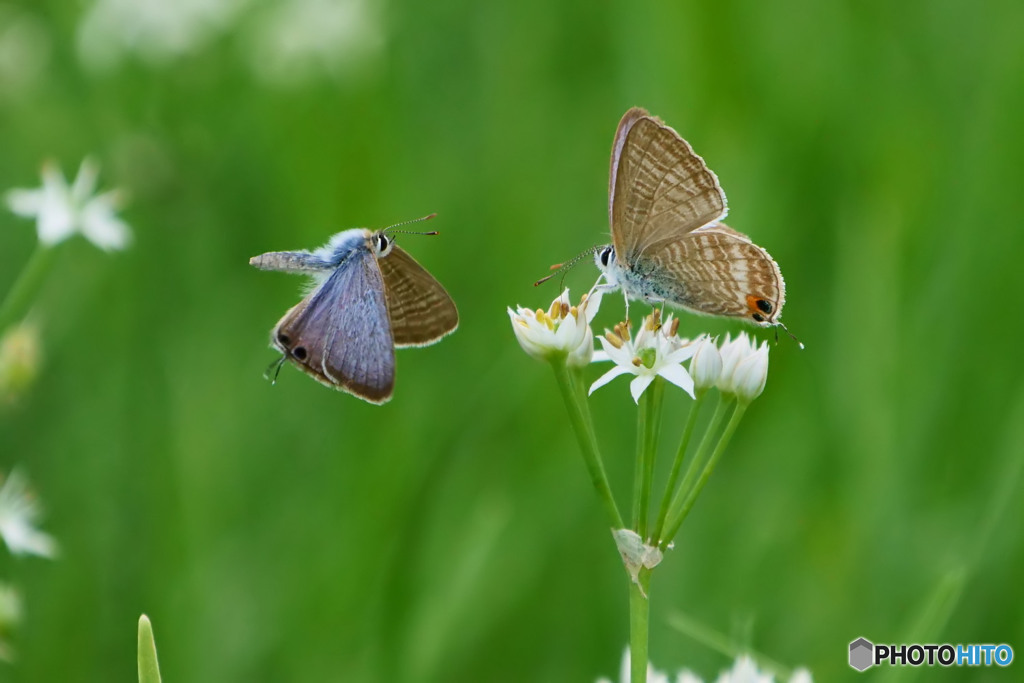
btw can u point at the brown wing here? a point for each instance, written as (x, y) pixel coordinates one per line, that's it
(340, 334)
(422, 312)
(719, 271)
(660, 189)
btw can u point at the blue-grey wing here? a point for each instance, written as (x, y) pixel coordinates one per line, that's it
(341, 333)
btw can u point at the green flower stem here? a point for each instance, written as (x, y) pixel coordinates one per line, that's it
(677, 464)
(730, 429)
(149, 668)
(579, 417)
(680, 493)
(648, 421)
(24, 289)
(639, 617)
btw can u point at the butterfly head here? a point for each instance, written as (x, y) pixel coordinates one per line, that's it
(604, 257)
(380, 244)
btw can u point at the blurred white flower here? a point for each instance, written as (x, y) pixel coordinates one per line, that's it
(657, 350)
(562, 329)
(60, 210)
(744, 368)
(706, 365)
(19, 510)
(159, 31)
(653, 675)
(743, 671)
(297, 40)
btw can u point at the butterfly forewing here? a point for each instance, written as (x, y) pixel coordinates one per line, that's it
(660, 188)
(718, 271)
(421, 310)
(344, 330)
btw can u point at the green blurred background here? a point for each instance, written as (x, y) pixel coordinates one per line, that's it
(291, 533)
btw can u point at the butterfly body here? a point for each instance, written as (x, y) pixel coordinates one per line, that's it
(369, 297)
(668, 242)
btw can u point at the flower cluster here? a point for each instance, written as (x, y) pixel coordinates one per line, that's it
(738, 367)
(561, 331)
(744, 670)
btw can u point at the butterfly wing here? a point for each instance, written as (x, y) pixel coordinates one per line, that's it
(659, 188)
(341, 334)
(421, 310)
(716, 270)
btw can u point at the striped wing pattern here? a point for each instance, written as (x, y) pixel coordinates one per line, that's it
(716, 270)
(421, 310)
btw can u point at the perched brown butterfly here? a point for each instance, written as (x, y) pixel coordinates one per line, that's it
(369, 297)
(668, 244)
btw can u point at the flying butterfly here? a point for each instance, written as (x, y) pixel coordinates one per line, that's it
(668, 242)
(369, 298)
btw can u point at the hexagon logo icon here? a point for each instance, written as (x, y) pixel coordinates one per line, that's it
(861, 654)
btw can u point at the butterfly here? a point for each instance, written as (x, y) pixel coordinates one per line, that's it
(369, 298)
(668, 242)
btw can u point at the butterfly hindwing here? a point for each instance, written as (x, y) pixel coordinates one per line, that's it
(716, 270)
(341, 333)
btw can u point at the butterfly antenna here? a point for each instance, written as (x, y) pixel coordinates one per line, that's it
(414, 220)
(778, 325)
(276, 367)
(563, 268)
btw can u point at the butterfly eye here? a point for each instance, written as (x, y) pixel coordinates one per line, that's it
(606, 256)
(382, 242)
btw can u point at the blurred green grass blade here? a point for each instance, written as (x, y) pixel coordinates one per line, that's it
(149, 669)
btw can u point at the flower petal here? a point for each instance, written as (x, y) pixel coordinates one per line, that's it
(25, 203)
(85, 181)
(607, 377)
(678, 375)
(638, 385)
(101, 227)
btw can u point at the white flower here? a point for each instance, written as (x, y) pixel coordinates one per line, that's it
(732, 352)
(561, 330)
(744, 368)
(653, 675)
(157, 30)
(19, 510)
(745, 671)
(655, 351)
(61, 211)
(297, 40)
(751, 374)
(706, 365)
